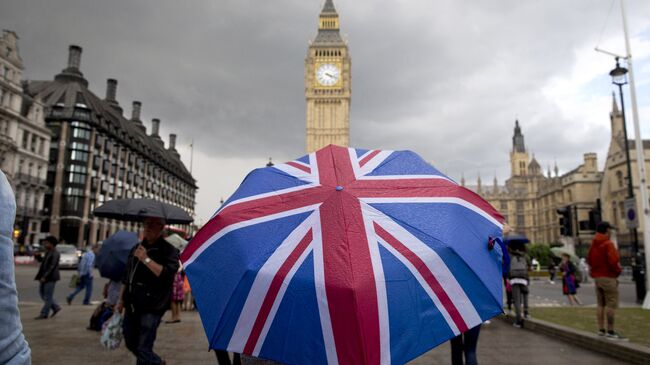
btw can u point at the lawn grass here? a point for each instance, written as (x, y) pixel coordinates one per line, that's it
(633, 323)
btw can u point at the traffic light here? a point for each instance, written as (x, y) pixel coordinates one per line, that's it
(594, 218)
(566, 221)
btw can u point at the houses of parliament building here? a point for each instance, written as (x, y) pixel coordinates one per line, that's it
(531, 198)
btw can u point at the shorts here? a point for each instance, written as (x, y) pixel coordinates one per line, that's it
(607, 292)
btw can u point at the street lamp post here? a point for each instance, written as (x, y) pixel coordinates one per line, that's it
(619, 78)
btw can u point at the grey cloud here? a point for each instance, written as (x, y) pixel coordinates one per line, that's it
(444, 78)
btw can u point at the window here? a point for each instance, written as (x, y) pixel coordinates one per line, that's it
(79, 146)
(81, 133)
(25, 139)
(521, 222)
(619, 178)
(75, 178)
(33, 143)
(79, 156)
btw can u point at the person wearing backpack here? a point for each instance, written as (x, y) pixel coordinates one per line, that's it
(519, 281)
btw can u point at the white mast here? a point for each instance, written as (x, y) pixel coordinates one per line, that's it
(640, 161)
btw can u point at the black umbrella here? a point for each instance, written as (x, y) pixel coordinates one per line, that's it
(136, 210)
(513, 239)
(111, 259)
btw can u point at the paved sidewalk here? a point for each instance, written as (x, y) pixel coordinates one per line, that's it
(64, 340)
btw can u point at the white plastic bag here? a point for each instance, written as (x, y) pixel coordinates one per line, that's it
(112, 332)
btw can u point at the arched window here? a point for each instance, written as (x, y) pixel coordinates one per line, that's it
(619, 178)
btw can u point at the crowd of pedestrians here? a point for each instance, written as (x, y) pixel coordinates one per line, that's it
(154, 282)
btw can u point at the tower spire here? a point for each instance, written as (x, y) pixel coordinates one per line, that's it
(518, 139)
(328, 7)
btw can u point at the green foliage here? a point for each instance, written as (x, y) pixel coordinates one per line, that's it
(542, 252)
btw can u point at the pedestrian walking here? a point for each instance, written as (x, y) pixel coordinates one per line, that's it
(605, 267)
(177, 297)
(147, 290)
(519, 267)
(188, 304)
(584, 269)
(551, 271)
(13, 347)
(85, 271)
(570, 284)
(48, 275)
(465, 344)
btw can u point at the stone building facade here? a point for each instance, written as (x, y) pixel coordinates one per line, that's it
(328, 84)
(24, 142)
(97, 154)
(529, 199)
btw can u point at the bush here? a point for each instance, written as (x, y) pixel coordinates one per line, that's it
(542, 252)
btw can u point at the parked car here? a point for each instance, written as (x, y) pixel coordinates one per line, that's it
(69, 256)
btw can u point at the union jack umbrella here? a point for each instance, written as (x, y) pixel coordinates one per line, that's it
(345, 256)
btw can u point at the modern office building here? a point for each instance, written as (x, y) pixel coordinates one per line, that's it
(97, 154)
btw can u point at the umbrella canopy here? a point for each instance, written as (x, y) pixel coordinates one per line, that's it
(515, 239)
(176, 241)
(559, 251)
(111, 259)
(345, 256)
(139, 209)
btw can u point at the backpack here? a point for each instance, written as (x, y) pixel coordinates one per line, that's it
(518, 267)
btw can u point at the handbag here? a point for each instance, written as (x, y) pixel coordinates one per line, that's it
(112, 332)
(75, 280)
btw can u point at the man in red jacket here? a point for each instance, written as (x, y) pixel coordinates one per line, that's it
(605, 269)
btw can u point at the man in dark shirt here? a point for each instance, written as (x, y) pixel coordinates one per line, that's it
(146, 290)
(48, 275)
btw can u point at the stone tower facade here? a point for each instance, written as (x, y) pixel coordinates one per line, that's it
(518, 155)
(328, 84)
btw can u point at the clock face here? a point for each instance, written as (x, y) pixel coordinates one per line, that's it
(328, 74)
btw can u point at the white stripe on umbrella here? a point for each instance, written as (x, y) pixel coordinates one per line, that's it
(442, 200)
(380, 282)
(321, 296)
(261, 286)
(208, 242)
(434, 264)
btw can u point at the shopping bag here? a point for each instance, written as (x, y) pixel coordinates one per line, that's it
(74, 281)
(112, 332)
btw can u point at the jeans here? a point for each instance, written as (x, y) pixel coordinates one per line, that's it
(85, 282)
(520, 293)
(465, 343)
(46, 291)
(139, 331)
(14, 350)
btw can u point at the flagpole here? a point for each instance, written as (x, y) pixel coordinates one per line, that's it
(640, 160)
(191, 155)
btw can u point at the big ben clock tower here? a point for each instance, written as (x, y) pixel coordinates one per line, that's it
(328, 84)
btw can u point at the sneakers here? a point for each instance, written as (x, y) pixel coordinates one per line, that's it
(526, 315)
(518, 325)
(68, 300)
(602, 332)
(613, 335)
(41, 317)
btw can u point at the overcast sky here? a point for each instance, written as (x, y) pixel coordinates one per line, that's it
(446, 79)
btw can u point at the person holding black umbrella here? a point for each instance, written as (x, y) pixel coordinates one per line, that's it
(147, 289)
